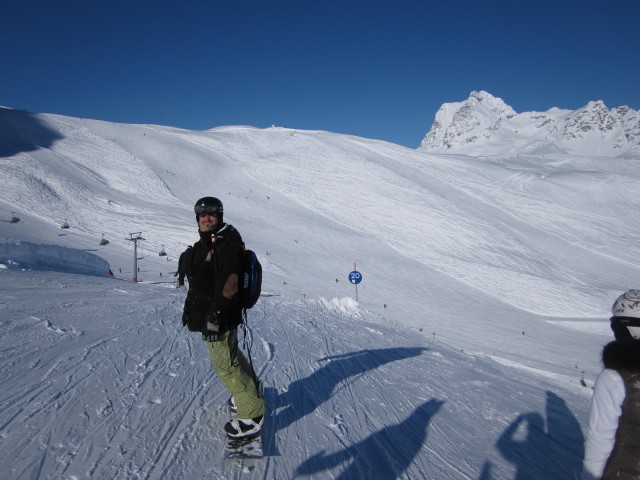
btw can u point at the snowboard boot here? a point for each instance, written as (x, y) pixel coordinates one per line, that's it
(244, 428)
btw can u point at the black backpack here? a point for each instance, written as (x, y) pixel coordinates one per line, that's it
(251, 282)
(184, 262)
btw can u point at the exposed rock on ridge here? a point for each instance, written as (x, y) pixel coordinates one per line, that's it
(486, 125)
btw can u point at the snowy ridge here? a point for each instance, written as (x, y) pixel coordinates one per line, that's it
(484, 123)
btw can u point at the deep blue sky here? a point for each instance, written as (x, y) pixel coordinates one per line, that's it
(376, 69)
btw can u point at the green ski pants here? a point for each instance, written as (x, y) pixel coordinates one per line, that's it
(232, 368)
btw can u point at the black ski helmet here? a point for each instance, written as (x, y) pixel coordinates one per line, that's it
(209, 205)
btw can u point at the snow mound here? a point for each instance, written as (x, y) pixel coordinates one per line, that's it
(33, 256)
(346, 305)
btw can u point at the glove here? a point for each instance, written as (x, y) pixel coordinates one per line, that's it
(211, 329)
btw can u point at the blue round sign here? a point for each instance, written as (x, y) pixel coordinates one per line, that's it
(355, 277)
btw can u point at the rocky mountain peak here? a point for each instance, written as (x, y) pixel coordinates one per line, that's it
(486, 125)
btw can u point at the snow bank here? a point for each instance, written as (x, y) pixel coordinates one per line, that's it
(33, 256)
(346, 305)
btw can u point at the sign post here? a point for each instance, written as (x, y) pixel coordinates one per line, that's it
(355, 277)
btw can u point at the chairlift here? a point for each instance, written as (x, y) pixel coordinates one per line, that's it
(104, 241)
(65, 225)
(14, 219)
(162, 253)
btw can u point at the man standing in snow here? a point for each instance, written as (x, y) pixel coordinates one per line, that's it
(613, 436)
(212, 307)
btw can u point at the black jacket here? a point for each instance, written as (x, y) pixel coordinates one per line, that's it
(624, 462)
(184, 263)
(215, 257)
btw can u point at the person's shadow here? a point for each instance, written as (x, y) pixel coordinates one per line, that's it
(306, 394)
(554, 454)
(384, 455)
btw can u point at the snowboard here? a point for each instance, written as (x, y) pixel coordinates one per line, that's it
(247, 447)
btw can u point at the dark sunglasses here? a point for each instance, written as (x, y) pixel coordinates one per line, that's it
(206, 209)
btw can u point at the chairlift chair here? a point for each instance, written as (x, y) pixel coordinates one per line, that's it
(104, 241)
(162, 253)
(14, 219)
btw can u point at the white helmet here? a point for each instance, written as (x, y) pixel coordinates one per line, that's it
(625, 322)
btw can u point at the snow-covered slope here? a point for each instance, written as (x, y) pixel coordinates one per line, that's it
(100, 381)
(484, 301)
(485, 125)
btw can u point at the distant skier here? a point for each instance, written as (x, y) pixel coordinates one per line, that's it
(184, 266)
(212, 307)
(613, 435)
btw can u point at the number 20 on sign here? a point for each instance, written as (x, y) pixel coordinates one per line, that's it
(355, 277)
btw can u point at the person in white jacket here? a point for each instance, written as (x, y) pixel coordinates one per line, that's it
(613, 436)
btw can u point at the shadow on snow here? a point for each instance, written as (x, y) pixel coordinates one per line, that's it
(383, 455)
(23, 132)
(553, 451)
(553, 454)
(395, 446)
(305, 395)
